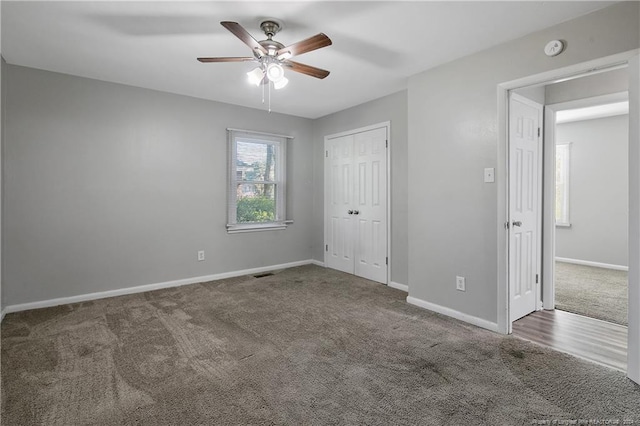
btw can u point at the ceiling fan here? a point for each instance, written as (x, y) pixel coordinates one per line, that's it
(272, 56)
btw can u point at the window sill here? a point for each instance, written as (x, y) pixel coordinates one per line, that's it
(563, 225)
(257, 227)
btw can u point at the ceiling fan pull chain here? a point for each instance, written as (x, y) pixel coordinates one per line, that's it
(269, 84)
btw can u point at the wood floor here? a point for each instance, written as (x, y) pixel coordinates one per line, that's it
(588, 338)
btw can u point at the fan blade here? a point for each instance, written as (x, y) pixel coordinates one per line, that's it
(306, 69)
(243, 35)
(312, 43)
(245, 59)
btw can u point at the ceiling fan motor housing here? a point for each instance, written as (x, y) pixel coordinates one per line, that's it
(272, 46)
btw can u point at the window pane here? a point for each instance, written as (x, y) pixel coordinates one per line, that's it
(256, 161)
(257, 175)
(256, 202)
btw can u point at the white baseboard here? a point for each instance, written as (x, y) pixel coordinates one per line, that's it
(317, 262)
(146, 287)
(2, 314)
(590, 263)
(399, 286)
(453, 314)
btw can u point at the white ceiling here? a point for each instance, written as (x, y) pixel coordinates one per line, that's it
(376, 45)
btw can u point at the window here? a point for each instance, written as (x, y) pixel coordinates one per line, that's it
(563, 156)
(257, 178)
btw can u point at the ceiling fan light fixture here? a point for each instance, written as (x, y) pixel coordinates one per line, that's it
(275, 72)
(281, 83)
(255, 76)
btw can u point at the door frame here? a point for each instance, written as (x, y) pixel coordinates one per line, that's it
(549, 229)
(633, 60)
(384, 124)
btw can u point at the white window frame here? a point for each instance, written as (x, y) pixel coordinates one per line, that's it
(564, 149)
(280, 182)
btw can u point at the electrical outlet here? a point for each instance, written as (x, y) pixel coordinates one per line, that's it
(200, 255)
(460, 284)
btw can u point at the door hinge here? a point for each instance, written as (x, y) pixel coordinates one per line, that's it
(326, 248)
(386, 143)
(538, 131)
(536, 278)
(386, 261)
(326, 154)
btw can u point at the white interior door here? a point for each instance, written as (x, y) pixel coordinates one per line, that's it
(340, 242)
(525, 122)
(370, 204)
(356, 198)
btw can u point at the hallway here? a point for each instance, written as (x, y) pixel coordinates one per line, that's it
(591, 339)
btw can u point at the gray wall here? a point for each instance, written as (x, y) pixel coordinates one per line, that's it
(599, 191)
(587, 87)
(391, 108)
(453, 136)
(110, 186)
(2, 65)
(2, 92)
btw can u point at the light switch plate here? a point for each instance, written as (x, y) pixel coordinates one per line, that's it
(489, 175)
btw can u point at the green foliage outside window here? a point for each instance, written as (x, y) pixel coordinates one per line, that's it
(255, 209)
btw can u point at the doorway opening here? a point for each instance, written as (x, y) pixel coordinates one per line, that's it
(529, 86)
(588, 141)
(591, 263)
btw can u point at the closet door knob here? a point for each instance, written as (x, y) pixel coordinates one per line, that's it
(349, 211)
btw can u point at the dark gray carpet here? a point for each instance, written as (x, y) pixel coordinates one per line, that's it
(593, 292)
(306, 346)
